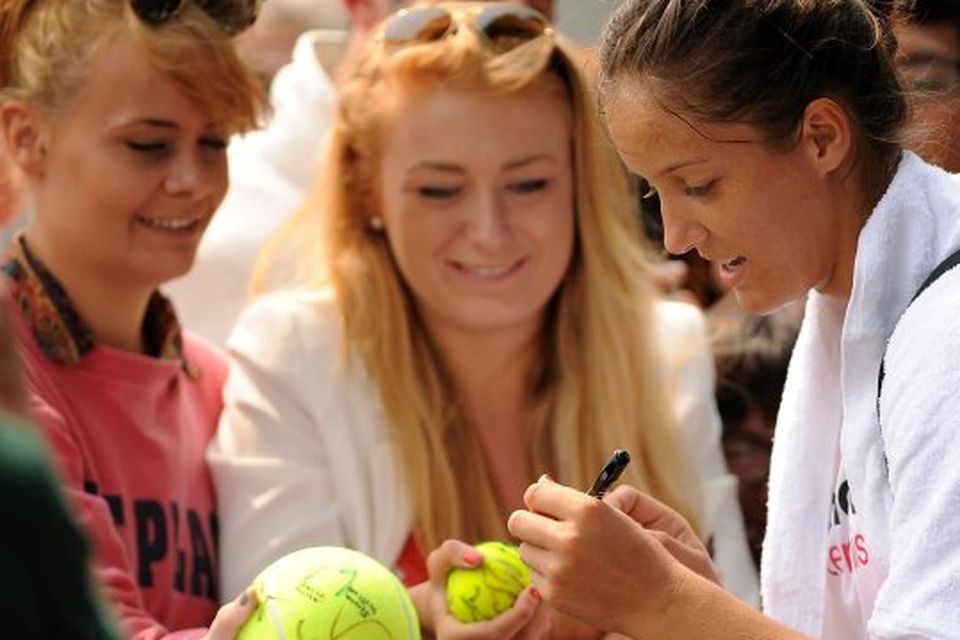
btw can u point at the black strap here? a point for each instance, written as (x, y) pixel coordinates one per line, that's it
(951, 261)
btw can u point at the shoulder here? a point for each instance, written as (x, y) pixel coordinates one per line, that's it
(287, 329)
(930, 327)
(922, 364)
(284, 315)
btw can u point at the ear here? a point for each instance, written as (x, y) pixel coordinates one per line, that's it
(24, 136)
(826, 133)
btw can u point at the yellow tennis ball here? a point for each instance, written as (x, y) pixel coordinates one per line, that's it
(484, 592)
(330, 592)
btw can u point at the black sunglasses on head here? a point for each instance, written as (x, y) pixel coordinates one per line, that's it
(233, 16)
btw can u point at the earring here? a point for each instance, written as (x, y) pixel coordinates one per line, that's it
(376, 223)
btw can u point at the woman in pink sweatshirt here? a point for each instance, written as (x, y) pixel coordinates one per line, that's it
(117, 114)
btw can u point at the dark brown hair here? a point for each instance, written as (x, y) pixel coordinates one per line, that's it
(761, 62)
(931, 12)
(752, 354)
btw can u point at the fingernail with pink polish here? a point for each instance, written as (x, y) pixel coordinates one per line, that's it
(472, 557)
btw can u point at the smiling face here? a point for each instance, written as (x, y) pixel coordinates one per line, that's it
(768, 218)
(129, 176)
(478, 202)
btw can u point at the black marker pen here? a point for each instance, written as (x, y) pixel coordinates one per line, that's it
(610, 472)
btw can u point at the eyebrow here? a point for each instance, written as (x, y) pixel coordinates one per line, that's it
(446, 167)
(524, 161)
(681, 165)
(160, 123)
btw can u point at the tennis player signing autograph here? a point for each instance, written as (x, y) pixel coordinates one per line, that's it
(770, 130)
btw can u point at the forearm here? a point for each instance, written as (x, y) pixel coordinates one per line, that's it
(701, 609)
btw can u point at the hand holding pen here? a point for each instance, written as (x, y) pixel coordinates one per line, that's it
(591, 558)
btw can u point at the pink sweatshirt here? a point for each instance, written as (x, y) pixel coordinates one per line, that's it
(128, 433)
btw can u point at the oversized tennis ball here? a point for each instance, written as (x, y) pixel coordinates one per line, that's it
(484, 592)
(330, 592)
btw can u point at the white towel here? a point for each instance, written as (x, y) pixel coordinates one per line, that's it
(829, 401)
(806, 439)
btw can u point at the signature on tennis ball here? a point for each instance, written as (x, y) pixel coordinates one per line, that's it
(330, 593)
(484, 592)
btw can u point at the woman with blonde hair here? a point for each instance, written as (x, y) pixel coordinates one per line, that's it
(476, 312)
(116, 115)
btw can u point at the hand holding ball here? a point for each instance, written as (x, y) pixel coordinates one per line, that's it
(330, 592)
(483, 593)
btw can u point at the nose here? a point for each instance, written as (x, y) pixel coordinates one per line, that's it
(193, 175)
(681, 232)
(487, 222)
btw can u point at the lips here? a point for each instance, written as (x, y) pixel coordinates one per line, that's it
(169, 224)
(488, 272)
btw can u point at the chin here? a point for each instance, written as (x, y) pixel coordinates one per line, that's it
(762, 303)
(485, 319)
(159, 274)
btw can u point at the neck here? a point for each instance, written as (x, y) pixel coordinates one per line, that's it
(861, 197)
(841, 282)
(112, 308)
(491, 377)
(490, 371)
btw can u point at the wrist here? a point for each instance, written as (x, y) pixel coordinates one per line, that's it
(665, 613)
(420, 595)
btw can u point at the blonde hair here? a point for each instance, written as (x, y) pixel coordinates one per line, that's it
(46, 45)
(598, 385)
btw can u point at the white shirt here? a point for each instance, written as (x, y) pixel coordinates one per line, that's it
(302, 456)
(853, 575)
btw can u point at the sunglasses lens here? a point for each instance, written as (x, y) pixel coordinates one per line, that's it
(508, 25)
(424, 24)
(155, 11)
(233, 16)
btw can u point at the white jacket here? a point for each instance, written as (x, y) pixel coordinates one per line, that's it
(270, 174)
(302, 456)
(907, 571)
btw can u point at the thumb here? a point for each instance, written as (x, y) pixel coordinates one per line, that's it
(231, 616)
(451, 554)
